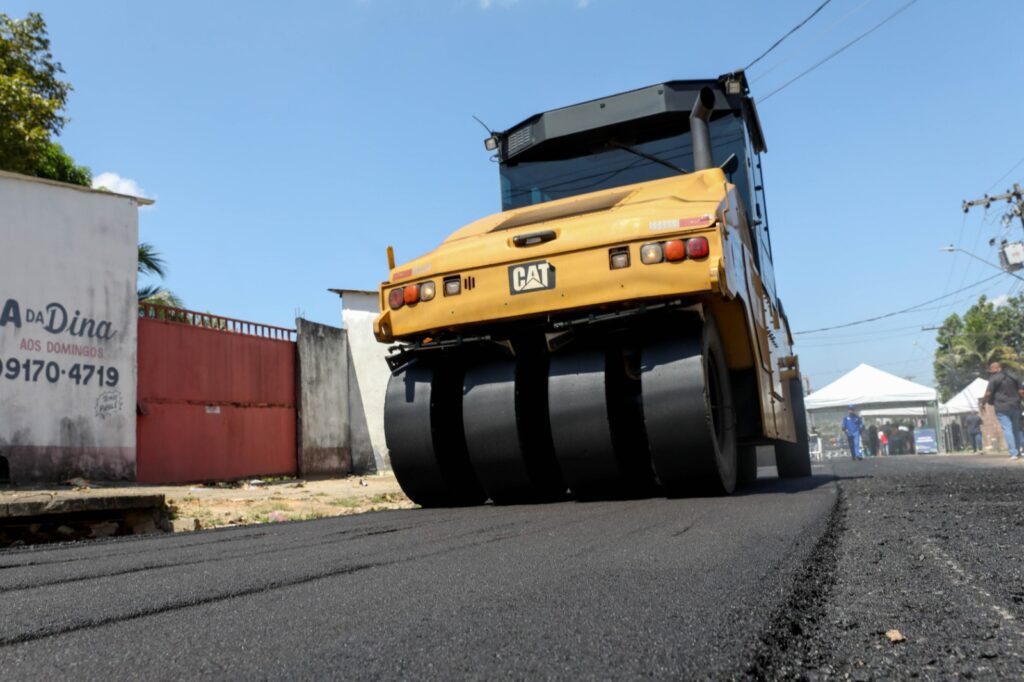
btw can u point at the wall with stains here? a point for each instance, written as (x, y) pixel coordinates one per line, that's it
(324, 438)
(68, 318)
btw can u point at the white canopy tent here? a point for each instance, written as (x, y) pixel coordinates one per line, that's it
(878, 394)
(896, 411)
(867, 385)
(966, 401)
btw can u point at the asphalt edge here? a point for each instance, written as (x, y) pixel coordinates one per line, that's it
(786, 645)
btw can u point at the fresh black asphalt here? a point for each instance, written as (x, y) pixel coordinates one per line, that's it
(930, 546)
(789, 579)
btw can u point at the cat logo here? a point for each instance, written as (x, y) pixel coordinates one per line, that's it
(534, 276)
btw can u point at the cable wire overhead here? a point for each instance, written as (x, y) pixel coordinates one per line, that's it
(850, 44)
(816, 38)
(1004, 175)
(898, 312)
(791, 32)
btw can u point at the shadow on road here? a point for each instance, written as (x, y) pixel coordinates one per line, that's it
(792, 485)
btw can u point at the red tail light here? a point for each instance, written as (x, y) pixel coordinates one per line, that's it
(674, 250)
(697, 247)
(411, 293)
(396, 299)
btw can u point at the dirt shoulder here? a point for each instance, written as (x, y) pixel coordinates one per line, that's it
(270, 501)
(81, 509)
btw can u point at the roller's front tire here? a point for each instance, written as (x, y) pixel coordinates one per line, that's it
(689, 412)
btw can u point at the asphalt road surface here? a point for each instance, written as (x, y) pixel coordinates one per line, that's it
(789, 579)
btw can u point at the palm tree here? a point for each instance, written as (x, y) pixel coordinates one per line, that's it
(150, 260)
(971, 353)
(151, 263)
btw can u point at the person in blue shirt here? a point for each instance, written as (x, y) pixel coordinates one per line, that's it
(852, 426)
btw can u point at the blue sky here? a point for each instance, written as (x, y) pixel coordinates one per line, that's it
(287, 144)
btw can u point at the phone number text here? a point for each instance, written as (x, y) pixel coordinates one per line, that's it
(43, 370)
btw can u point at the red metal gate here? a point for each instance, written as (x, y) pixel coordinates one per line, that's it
(216, 397)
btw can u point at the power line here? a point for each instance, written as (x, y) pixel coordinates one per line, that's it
(1001, 177)
(884, 335)
(974, 249)
(871, 337)
(791, 32)
(912, 308)
(876, 334)
(860, 335)
(871, 30)
(815, 39)
(861, 342)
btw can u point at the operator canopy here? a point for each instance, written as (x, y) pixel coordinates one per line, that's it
(644, 113)
(623, 139)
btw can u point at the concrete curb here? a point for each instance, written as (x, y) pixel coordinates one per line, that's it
(72, 503)
(70, 515)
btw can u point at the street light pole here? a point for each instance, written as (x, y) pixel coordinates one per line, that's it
(951, 249)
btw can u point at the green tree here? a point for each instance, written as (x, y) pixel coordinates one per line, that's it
(967, 344)
(32, 101)
(56, 164)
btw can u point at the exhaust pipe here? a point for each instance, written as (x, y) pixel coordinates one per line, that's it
(700, 134)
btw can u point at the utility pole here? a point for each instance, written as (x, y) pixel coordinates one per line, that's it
(1010, 254)
(1013, 196)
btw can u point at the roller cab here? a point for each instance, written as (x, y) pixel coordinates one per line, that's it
(615, 330)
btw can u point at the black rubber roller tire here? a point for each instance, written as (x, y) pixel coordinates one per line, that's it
(596, 425)
(423, 430)
(505, 413)
(793, 460)
(689, 413)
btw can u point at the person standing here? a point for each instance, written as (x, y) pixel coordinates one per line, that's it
(873, 440)
(903, 434)
(883, 443)
(852, 426)
(1003, 393)
(974, 431)
(956, 437)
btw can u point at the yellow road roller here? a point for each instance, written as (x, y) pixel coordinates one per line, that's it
(615, 331)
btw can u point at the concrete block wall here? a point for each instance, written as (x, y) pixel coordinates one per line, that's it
(334, 435)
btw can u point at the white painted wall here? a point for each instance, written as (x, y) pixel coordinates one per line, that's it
(67, 304)
(371, 370)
